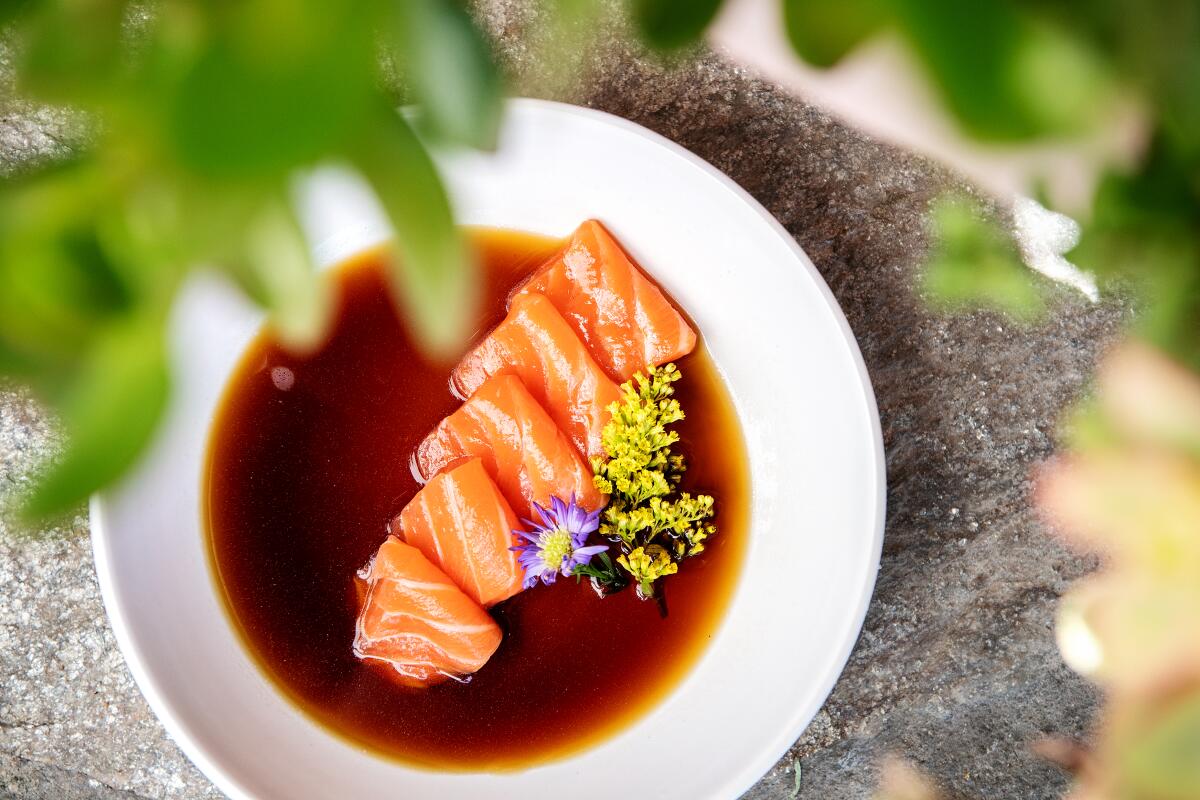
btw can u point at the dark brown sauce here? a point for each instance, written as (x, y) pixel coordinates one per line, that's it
(301, 485)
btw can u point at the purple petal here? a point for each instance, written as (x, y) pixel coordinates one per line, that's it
(560, 509)
(545, 514)
(537, 527)
(590, 550)
(534, 566)
(580, 539)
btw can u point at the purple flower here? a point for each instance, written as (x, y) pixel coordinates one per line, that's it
(557, 544)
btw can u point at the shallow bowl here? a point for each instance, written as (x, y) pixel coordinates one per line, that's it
(812, 433)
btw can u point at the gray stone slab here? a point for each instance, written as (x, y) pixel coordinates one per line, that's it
(956, 668)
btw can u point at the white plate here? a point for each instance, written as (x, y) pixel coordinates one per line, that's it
(817, 480)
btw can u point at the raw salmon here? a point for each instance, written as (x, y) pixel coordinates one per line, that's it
(416, 620)
(623, 318)
(526, 454)
(537, 345)
(462, 523)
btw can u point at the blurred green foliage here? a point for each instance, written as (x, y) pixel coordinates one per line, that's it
(823, 32)
(1162, 762)
(451, 71)
(1016, 71)
(1145, 229)
(673, 24)
(204, 114)
(1006, 73)
(972, 263)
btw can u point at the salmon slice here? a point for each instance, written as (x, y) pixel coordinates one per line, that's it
(416, 620)
(537, 345)
(624, 319)
(462, 523)
(521, 448)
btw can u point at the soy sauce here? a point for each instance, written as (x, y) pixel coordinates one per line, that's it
(308, 462)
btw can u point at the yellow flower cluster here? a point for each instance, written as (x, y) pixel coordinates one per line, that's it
(655, 525)
(648, 564)
(639, 464)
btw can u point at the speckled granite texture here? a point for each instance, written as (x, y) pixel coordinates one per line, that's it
(956, 668)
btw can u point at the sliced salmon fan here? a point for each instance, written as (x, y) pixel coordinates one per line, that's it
(537, 393)
(417, 621)
(624, 319)
(537, 345)
(517, 442)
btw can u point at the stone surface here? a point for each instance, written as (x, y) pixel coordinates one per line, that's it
(956, 668)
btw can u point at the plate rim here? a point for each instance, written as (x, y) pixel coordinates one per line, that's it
(749, 774)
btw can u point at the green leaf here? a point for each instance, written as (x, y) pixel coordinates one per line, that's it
(1172, 289)
(278, 263)
(1159, 55)
(823, 32)
(1003, 75)
(674, 24)
(1060, 83)
(16, 363)
(1143, 228)
(12, 9)
(277, 87)
(1164, 761)
(975, 264)
(110, 413)
(968, 48)
(72, 51)
(451, 71)
(58, 283)
(54, 294)
(435, 275)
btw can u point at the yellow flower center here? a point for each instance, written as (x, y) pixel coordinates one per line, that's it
(555, 546)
